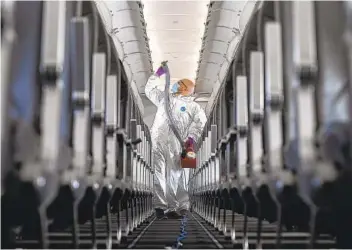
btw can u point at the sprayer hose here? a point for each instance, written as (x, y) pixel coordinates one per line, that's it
(167, 106)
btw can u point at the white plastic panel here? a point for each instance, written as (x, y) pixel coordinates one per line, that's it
(216, 46)
(209, 71)
(215, 57)
(223, 17)
(125, 18)
(131, 34)
(133, 46)
(230, 5)
(138, 62)
(220, 33)
(134, 57)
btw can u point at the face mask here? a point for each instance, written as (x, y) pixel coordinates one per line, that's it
(174, 88)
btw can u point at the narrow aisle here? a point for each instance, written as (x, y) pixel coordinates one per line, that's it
(164, 233)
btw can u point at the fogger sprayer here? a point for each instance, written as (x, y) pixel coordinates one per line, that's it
(188, 155)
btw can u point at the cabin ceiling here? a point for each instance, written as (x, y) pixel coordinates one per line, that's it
(175, 30)
(197, 38)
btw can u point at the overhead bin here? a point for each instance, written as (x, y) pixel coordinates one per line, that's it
(215, 45)
(125, 23)
(220, 32)
(221, 35)
(234, 48)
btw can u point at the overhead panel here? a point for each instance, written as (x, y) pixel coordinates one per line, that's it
(215, 57)
(221, 36)
(125, 21)
(217, 46)
(249, 8)
(126, 35)
(218, 32)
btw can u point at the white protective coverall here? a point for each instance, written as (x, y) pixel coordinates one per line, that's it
(170, 180)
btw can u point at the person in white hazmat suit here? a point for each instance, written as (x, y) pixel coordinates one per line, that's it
(170, 180)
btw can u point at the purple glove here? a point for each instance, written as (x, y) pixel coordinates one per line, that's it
(160, 71)
(189, 143)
